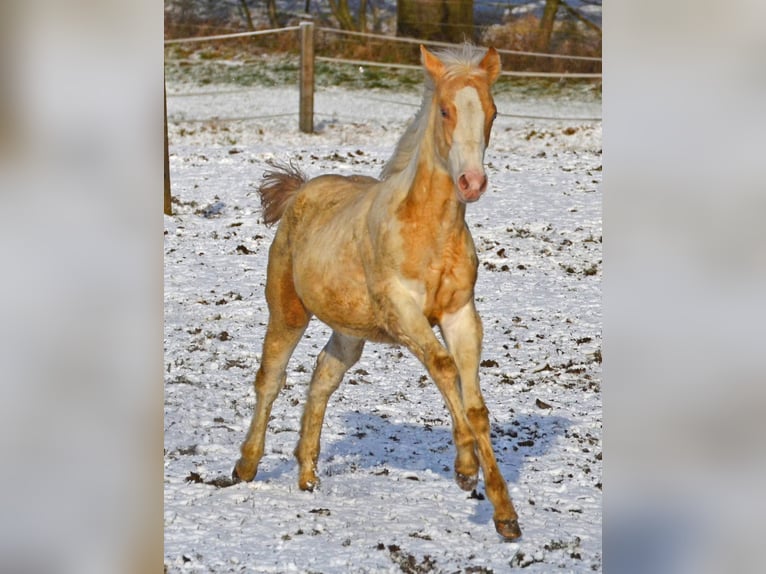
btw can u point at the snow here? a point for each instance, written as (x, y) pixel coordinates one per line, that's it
(387, 501)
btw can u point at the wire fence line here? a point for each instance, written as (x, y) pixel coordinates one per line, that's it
(360, 120)
(217, 119)
(181, 120)
(382, 37)
(229, 36)
(362, 63)
(212, 93)
(413, 67)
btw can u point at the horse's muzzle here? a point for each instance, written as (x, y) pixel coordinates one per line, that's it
(471, 185)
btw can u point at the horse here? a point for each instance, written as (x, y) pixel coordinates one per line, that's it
(386, 260)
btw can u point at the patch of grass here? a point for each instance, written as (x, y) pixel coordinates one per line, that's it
(283, 70)
(270, 71)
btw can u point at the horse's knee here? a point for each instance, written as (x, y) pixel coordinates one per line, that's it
(327, 376)
(478, 418)
(268, 387)
(444, 367)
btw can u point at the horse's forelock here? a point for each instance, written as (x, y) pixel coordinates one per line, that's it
(462, 60)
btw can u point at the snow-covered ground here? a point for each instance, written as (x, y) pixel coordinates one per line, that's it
(387, 500)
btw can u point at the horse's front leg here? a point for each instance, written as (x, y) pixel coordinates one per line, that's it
(411, 328)
(462, 332)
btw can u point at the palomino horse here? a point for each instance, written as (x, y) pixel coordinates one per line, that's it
(386, 260)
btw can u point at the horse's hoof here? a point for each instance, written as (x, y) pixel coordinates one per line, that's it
(508, 529)
(308, 485)
(467, 482)
(238, 475)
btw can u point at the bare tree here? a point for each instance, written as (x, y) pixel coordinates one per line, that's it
(575, 13)
(246, 12)
(346, 19)
(342, 14)
(271, 10)
(447, 20)
(546, 26)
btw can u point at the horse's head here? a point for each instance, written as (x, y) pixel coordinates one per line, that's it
(462, 115)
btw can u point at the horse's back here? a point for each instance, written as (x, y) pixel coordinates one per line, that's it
(326, 195)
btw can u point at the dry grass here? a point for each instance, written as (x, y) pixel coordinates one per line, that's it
(569, 38)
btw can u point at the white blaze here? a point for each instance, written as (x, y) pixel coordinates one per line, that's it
(467, 151)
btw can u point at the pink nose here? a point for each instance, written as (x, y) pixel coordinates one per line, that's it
(472, 184)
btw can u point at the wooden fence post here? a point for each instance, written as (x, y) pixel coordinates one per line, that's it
(168, 198)
(306, 112)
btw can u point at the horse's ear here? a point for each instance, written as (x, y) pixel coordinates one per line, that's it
(491, 64)
(432, 64)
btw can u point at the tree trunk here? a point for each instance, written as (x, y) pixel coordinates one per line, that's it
(246, 11)
(546, 26)
(362, 19)
(579, 15)
(444, 20)
(271, 9)
(342, 14)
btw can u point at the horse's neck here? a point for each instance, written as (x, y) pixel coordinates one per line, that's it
(422, 189)
(431, 200)
(407, 147)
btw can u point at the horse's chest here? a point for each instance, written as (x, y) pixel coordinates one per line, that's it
(439, 262)
(448, 282)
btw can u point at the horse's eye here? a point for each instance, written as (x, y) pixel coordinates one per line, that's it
(444, 112)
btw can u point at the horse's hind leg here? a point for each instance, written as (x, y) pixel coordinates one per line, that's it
(269, 380)
(287, 322)
(340, 353)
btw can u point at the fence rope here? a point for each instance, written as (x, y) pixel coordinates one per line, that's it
(217, 119)
(359, 120)
(369, 35)
(552, 118)
(364, 63)
(499, 114)
(213, 92)
(236, 35)
(413, 104)
(449, 45)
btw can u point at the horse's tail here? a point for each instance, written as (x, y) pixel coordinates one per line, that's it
(278, 186)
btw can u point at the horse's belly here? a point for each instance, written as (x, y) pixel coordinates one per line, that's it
(339, 298)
